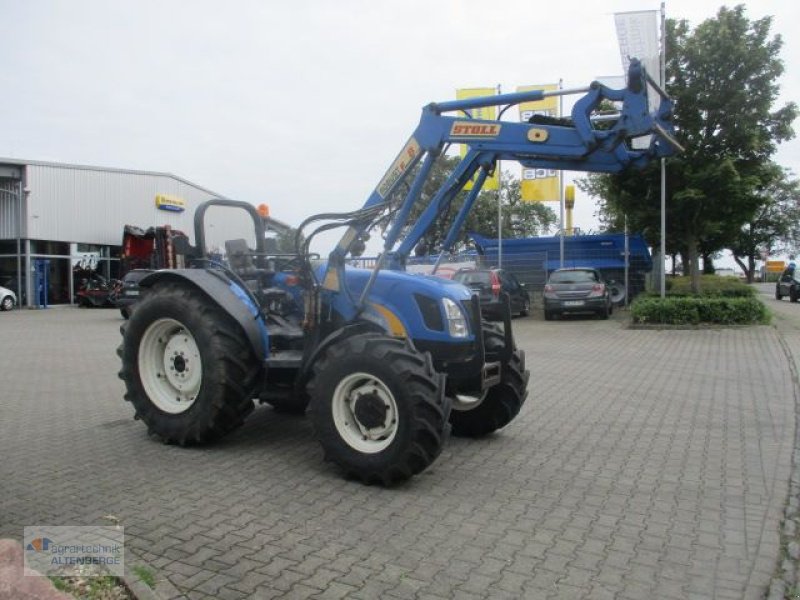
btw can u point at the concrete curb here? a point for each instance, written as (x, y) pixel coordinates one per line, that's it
(785, 582)
(139, 589)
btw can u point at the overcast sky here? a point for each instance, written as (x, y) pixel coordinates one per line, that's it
(300, 104)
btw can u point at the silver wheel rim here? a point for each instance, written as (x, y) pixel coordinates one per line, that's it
(170, 367)
(7, 303)
(355, 433)
(462, 402)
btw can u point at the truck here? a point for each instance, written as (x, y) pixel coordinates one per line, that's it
(386, 363)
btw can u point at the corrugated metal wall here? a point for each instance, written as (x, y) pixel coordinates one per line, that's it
(8, 209)
(76, 204)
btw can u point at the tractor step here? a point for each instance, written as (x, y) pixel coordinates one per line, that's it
(492, 374)
(285, 359)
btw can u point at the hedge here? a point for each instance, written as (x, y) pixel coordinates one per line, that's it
(710, 285)
(693, 310)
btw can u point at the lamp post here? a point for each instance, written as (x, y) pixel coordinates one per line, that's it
(18, 195)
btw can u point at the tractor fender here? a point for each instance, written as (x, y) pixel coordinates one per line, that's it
(228, 295)
(340, 334)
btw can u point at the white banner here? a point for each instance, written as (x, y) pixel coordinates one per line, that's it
(638, 36)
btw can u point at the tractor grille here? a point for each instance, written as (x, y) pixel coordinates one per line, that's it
(431, 312)
(469, 311)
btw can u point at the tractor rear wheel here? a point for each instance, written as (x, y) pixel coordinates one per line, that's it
(501, 403)
(378, 408)
(187, 366)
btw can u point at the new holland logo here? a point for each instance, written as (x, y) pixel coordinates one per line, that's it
(467, 129)
(170, 203)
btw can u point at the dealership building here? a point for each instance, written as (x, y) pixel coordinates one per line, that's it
(62, 217)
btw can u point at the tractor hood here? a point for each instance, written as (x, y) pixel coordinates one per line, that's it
(406, 304)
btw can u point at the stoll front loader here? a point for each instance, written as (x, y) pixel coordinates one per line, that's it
(386, 362)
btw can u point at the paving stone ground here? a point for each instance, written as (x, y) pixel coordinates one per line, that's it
(645, 464)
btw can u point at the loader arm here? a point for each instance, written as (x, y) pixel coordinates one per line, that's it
(576, 144)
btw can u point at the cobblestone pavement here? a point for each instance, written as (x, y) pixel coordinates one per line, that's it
(645, 464)
(786, 583)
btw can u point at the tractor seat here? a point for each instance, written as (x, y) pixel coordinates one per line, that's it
(240, 260)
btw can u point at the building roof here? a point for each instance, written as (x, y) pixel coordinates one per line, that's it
(275, 223)
(45, 163)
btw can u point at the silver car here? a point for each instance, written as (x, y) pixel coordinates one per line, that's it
(8, 299)
(576, 290)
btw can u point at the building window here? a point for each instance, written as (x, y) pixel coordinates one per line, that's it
(47, 248)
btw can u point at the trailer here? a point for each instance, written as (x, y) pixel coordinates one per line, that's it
(533, 259)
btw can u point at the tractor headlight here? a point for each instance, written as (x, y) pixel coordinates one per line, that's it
(456, 320)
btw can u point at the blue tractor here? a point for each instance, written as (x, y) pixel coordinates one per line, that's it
(386, 362)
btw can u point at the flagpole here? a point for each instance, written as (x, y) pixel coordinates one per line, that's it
(663, 270)
(499, 208)
(561, 187)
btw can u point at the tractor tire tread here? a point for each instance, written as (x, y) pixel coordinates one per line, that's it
(229, 375)
(422, 389)
(503, 401)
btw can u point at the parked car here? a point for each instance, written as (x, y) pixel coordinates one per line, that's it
(490, 285)
(576, 290)
(128, 291)
(788, 284)
(8, 299)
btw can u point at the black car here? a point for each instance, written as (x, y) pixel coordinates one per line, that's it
(490, 285)
(576, 290)
(788, 285)
(128, 291)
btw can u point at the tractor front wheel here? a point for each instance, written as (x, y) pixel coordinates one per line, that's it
(187, 366)
(501, 403)
(378, 408)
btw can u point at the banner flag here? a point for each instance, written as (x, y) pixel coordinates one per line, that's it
(638, 37)
(539, 185)
(637, 34)
(488, 113)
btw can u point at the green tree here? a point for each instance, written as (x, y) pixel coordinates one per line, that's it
(520, 218)
(285, 241)
(775, 226)
(724, 77)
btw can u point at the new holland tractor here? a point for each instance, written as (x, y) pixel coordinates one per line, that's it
(386, 362)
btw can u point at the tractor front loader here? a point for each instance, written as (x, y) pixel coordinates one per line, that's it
(385, 362)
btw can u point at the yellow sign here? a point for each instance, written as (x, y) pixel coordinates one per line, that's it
(170, 203)
(775, 266)
(547, 106)
(539, 185)
(485, 113)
